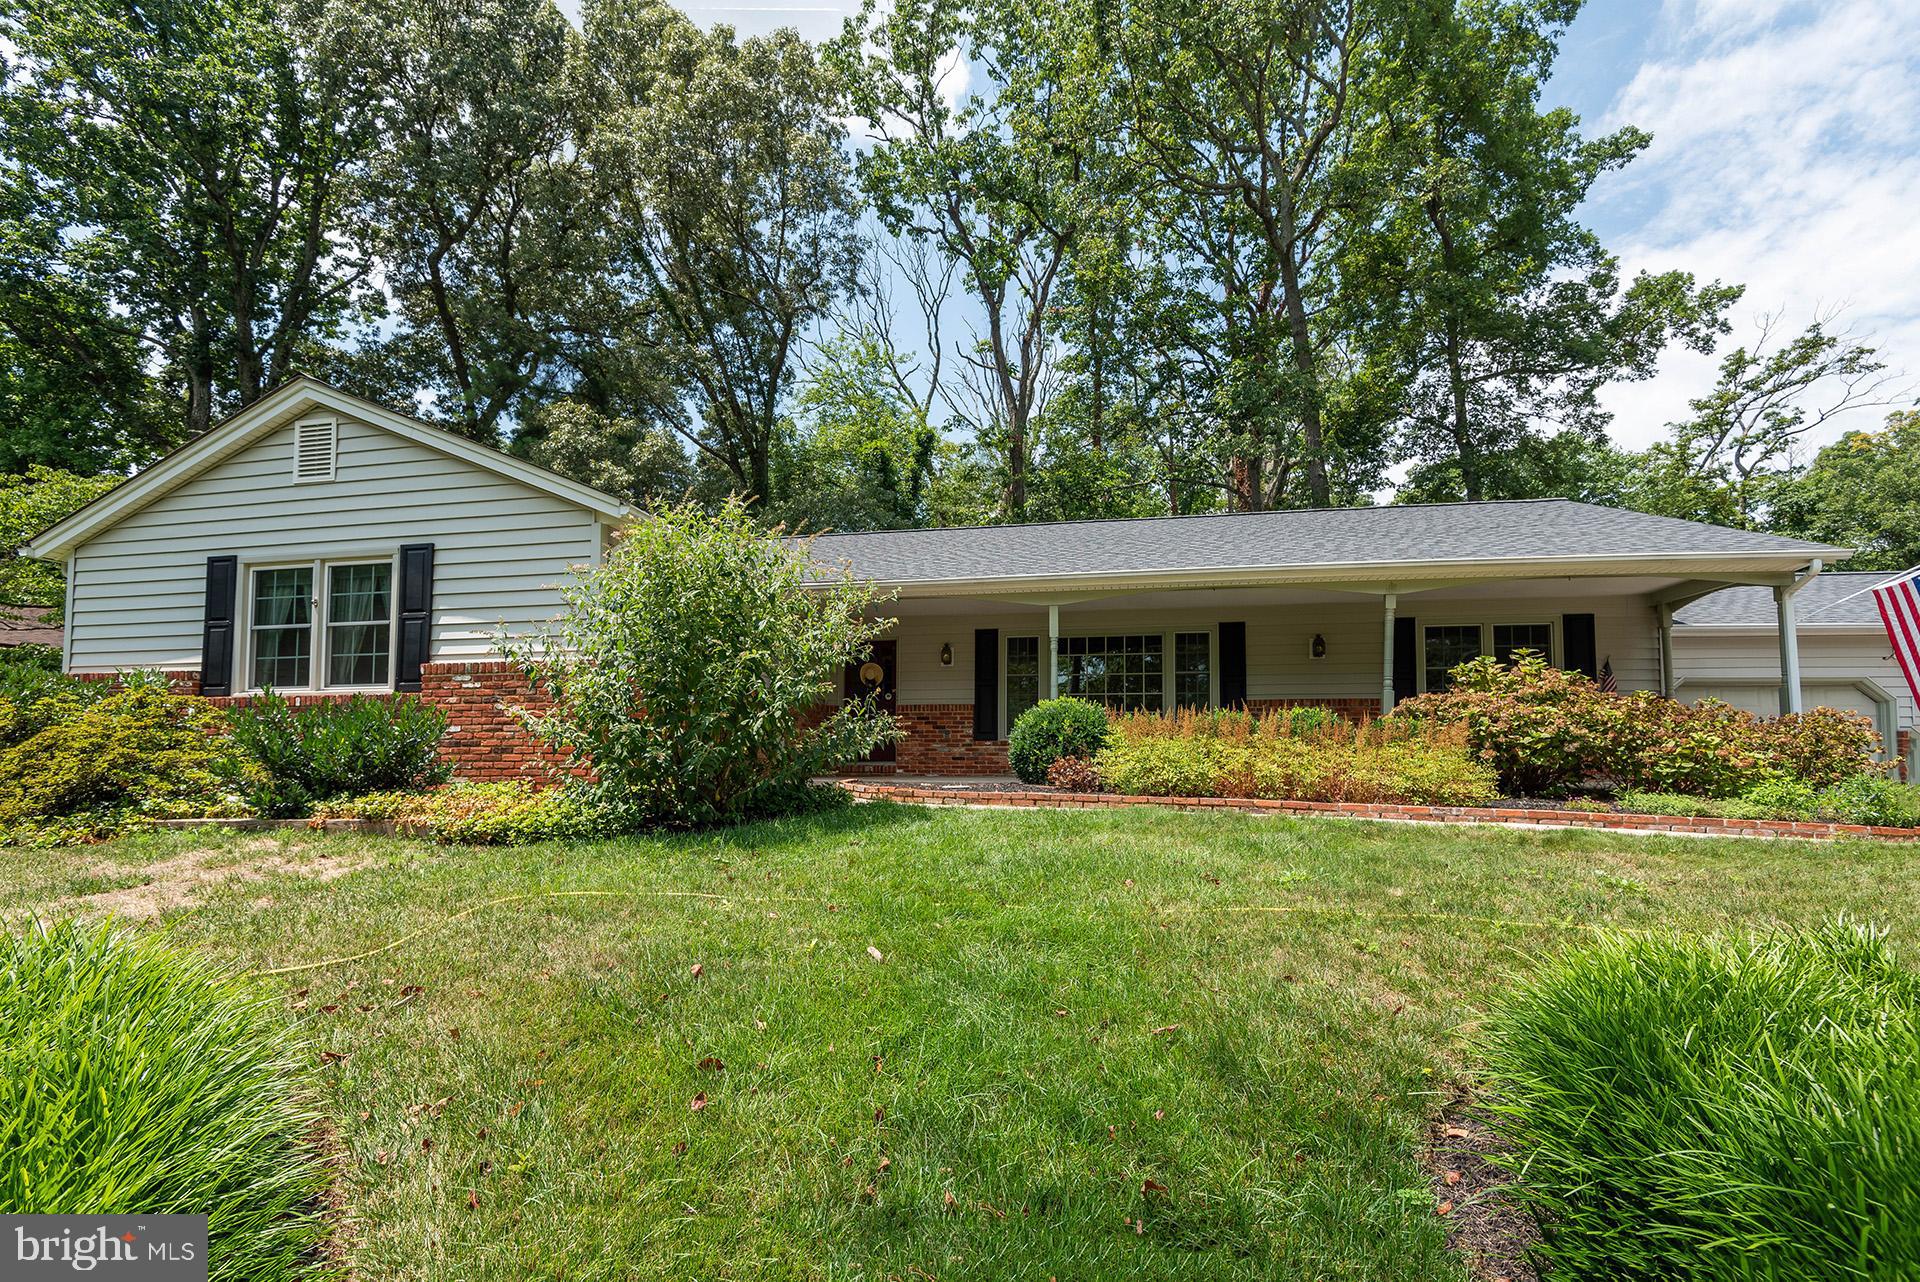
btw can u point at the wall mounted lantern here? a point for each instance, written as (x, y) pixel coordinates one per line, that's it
(1319, 646)
(946, 655)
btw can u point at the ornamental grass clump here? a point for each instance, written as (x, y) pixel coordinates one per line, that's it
(693, 671)
(1715, 1109)
(136, 1079)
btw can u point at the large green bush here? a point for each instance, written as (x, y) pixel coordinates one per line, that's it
(134, 1079)
(1703, 1109)
(336, 748)
(1232, 754)
(137, 748)
(691, 668)
(1053, 729)
(1546, 730)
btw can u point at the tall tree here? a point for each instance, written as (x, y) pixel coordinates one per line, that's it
(1244, 113)
(489, 232)
(1862, 492)
(988, 179)
(733, 209)
(1505, 315)
(193, 154)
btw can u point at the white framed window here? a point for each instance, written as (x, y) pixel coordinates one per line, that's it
(1126, 671)
(320, 625)
(1444, 646)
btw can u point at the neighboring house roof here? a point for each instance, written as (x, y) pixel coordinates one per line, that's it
(1546, 536)
(1837, 599)
(27, 625)
(299, 397)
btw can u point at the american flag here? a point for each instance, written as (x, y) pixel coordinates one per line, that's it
(1607, 681)
(1899, 602)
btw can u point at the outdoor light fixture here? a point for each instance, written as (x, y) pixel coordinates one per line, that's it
(1319, 646)
(946, 655)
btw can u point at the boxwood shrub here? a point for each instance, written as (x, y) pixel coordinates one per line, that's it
(336, 748)
(1686, 1108)
(1052, 729)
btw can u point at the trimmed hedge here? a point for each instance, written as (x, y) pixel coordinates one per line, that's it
(1054, 729)
(1715, 1109)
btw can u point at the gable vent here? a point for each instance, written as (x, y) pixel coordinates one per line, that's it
(314, 447)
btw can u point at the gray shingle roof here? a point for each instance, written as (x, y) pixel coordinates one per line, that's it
(1830, 600)
(1318, 537)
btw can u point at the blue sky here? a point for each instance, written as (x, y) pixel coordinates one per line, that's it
(1786, 156)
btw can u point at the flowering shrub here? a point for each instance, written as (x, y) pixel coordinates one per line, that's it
(1233, 754)
(1545, 730)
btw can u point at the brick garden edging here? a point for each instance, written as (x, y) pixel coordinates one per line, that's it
(915, 794)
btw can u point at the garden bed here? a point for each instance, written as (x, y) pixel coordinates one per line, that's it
(1004, 793)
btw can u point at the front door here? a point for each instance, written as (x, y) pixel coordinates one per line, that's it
(875, 677)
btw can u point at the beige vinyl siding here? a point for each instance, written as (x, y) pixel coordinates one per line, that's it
(500, 547)
(1703, 658)
(1279, 637)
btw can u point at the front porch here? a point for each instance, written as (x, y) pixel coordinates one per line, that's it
(963, 667)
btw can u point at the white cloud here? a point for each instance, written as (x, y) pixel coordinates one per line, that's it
(1784, 158)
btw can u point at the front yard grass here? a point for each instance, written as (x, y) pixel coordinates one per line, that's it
(923, 1044)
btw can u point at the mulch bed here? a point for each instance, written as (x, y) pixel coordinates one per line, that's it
(1492, 1232)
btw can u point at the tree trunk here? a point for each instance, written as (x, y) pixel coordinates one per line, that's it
(1463, 447)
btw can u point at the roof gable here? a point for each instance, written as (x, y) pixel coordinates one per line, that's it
(299, 398)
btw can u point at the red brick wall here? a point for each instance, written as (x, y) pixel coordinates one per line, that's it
(940, 742)
(484, 740)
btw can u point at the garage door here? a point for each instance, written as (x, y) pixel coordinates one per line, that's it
(1764, 700)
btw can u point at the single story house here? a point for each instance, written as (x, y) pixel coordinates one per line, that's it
(321, 544)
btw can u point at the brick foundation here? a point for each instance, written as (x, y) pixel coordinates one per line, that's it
(940, 742)
(484, 739)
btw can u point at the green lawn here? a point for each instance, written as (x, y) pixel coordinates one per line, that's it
(1254, 1014)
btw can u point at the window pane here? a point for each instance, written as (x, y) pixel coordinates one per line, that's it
(358, 593)
(1447, 648)
(1121, 672)
(1023, 675)
(282, 657)
(282, 597)
(1192, 659)
(1509, 637)
(357, 654)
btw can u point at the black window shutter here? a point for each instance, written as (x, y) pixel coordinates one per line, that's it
(416, 613)
(1233, 665)
(1406, 658)
(986, 683)
(216, 638)
(1576, 632)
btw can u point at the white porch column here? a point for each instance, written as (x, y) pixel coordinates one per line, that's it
(1664, 611)
(1392, 602)
(1053, 653)
(1789, 651)
(1790, 700)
